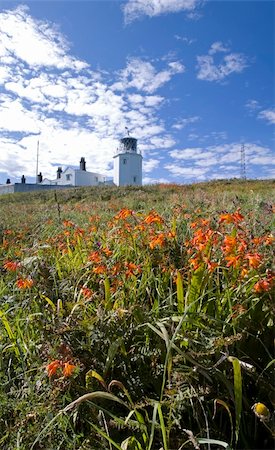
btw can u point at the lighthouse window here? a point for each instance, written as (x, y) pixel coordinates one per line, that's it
(135, 179)
(125, 161)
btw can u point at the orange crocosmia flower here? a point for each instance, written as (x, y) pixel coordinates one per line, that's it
(159, 240)
(227, 218)
(153, 217)
(23, 283)
(86, 292)
(94, 257)
(124, 213)
(68, 369)
(53, 367)
(233, 261)
(11, 266)
(99, 269)
(68, 223)
(231, 218)
(263, 285)
(107, 251)
(230, 243)
(132, 269)
(254, 260)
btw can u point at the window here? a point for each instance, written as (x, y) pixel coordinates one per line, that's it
(68, 176)
(124, 161)
(135, 179)
(96, 179)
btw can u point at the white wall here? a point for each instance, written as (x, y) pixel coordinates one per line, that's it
(128, 169)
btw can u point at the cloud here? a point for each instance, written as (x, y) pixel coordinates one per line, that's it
(252, 105)
(182, 123)
(218, 47)
(219, 161)
(48, 94)
(149, 165)
(268, 114)
(185, 39)
(135, 9)
(48, 46)
(208, 70)
(143, 76)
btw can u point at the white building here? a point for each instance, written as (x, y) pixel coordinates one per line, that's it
(127, 172)
(75, 177)
(128, 163)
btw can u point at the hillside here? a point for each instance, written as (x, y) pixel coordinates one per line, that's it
(138, 318)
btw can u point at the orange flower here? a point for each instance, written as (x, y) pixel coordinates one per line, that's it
(254, 260)
(124, 213)
(11, 266)
(231, 218)
(263, 285)
(99, 269)
(68, 223)
(23, 283)
(230, 243)
(158, 240)
(233, 261)
(68, 369)
(153, 217)
(53, 367)
(86, 292)
(94, 257)
(132, 269)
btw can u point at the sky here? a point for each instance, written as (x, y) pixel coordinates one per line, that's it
(192, 80)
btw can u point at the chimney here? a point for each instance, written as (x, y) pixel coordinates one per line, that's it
(23, 179)
(82, 163)
(39, 178)
(59, 172)
(8, 181)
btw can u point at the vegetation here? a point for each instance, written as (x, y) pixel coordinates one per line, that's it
(138, 319)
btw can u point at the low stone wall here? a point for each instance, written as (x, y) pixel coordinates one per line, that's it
(28, 187)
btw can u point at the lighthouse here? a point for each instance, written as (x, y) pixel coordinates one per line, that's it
(128, 163)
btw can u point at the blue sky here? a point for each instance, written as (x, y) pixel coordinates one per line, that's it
(191, 79)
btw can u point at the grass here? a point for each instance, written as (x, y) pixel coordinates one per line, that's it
(138, 318)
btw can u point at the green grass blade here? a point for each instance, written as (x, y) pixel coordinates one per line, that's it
(180, 294)
(163, 428)
(237, 393)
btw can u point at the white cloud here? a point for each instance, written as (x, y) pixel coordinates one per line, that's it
(185, 39)
(143, 76)
(149, 165)
(135, 9)
(252, 105)
(43, 45)
(268, 114)
(150, 180)
(182, 123)
(49, 95)
(231, 63)
(218, 47)
(223, 161)
(187, 172)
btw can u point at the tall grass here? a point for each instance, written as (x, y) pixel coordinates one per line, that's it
(138, 318)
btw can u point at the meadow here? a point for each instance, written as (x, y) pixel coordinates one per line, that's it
(138, 318)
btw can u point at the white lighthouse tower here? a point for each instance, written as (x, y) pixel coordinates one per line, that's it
(128, 163)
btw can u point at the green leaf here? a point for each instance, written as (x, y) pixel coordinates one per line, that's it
(237, 393)
(214, 441)
(180, 295)
(224, 404)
